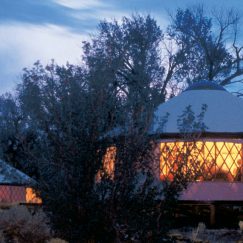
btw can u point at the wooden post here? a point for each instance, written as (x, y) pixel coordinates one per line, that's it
(241, 163)
(212, 214)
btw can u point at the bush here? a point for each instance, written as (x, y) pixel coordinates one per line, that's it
(57, 240)
(20, 225)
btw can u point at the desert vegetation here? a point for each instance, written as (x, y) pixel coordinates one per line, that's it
(58, 123)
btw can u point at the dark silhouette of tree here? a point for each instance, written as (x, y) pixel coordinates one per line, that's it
(207, 45)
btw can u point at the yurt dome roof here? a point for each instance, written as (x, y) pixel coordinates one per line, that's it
(224, 111)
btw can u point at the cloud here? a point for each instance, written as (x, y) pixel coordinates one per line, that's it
(94, 10)
(110, 14)
(80, 4)
(22, 44)
(100, 14)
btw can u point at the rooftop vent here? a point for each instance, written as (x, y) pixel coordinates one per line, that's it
(205, 85)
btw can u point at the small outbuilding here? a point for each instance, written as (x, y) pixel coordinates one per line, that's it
(212, 149)
(15, 186)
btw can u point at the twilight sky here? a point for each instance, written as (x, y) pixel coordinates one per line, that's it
(42, 30)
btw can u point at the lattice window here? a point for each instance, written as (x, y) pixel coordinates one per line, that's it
(215, 160)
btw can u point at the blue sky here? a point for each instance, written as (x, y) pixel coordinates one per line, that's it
(33, 30)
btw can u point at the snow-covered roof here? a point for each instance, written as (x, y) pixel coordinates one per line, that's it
(10, 175)
(224, 112)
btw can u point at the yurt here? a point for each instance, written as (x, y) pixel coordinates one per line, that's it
(15, 187)
(216, 149)
(202, 128)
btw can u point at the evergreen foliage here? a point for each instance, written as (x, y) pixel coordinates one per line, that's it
(56, 126)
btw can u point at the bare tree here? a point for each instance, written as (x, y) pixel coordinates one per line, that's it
(207, 45)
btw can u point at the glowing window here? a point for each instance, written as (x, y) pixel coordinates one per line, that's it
(31, 196)
(215, 160)
(108, 164)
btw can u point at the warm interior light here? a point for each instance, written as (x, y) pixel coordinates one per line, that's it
(31, 196)
(108, 164)
(215, 160)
